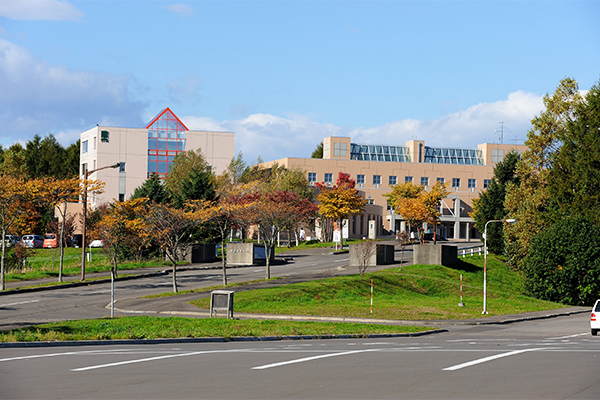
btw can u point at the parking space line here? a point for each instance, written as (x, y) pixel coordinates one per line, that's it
(299, 360)
(486, 359)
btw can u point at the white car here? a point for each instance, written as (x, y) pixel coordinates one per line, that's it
(595, 318)
(97, 243)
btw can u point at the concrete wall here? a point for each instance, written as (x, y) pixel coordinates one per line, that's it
(435, 254)
(382, 254)
(247, 254)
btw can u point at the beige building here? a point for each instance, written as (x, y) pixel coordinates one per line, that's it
(142, 151)
(377, 167)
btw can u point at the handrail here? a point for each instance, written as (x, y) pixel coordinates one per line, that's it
(472, 248)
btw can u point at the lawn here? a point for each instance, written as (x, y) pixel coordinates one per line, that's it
(143, 327)
(44, 263)
(414, 292)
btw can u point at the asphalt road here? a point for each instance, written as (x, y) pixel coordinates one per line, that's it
(553, 358)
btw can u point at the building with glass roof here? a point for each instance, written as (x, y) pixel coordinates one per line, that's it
(376, 168)
(143, 151)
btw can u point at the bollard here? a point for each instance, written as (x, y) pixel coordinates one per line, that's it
(461, 304)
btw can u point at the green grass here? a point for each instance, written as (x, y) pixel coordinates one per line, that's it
(44, 263)
(176, 327)
(416, 292)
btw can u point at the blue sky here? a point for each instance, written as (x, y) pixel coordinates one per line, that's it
(282, 75)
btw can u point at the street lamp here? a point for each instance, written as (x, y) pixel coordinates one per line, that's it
(86, 174)
(510, 221)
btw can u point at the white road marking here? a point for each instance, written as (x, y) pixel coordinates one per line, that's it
(570, 336)
(116, 364)
(342, 260)
(21, 302)
(486, 359)
(299, 360)
(70, 353)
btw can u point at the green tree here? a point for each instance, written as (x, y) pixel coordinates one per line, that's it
(563, 263)
(490, 204)
(182, 166)
(318, 152)
(530, 202)
(153, 189)
(574, 178)
(198, 185)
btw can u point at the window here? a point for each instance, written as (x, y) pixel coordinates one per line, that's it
(376, 179)
(340, 149)
(84, 147)
(122, 166)
(360, 180)
(497, 155)
(440, 180)
(370, 201)
(121, 197)
(487, 183)
(472, 183)
(84, 168)
(312, 177)
(166, 139)
(325, 150)
(408, 179)
(424, 181)
(389, 206)
(392, 180)
(104, 136)
(94, 142)
(328, 178)
(455, 182)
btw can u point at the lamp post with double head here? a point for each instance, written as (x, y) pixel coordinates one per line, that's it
(509, 220)
(86, 174)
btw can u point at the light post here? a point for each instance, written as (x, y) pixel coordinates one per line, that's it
(510, 221)
(86, 174)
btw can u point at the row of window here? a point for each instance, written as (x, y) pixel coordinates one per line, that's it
(393, 180)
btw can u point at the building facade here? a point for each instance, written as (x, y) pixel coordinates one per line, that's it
(376, 168)
(143, 151)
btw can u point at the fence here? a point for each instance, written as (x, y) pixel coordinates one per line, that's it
(471, 250)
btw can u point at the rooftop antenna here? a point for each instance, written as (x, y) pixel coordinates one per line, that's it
(501, 131)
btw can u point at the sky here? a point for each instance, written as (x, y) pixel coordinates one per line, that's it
(283, 75)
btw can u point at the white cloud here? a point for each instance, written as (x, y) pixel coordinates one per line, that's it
(47, 10)
(38, 98)
(181, 9)
(272, 137)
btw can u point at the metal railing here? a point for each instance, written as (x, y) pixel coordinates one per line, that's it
(471, 250)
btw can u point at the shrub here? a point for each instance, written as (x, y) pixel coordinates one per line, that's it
(563, 264)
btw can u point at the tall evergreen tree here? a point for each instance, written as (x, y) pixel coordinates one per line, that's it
(490, 204)
(153, 189)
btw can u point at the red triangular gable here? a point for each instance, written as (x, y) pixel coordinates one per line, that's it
(168, 117)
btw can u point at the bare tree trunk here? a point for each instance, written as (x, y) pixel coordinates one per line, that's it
(174, 277)
(223, 261)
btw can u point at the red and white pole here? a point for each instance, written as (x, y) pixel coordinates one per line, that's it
(371, 296)
(461, 304)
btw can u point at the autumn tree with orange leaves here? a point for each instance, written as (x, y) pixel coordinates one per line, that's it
(57, 192)
(417, 205)
(339, 202)
(14, 194)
